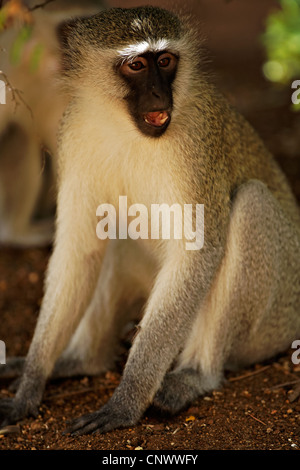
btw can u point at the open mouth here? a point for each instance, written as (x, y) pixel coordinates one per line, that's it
(157, 118)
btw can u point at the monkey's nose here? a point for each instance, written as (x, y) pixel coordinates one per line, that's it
(156, 94)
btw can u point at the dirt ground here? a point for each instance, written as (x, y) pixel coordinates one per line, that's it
(254, 409)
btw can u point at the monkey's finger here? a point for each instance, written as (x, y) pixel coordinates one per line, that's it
(104, 420)
(76, 426)
(97, 425)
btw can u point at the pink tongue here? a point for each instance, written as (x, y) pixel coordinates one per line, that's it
(157, 118)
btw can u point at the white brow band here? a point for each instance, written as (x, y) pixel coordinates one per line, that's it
(134, 50)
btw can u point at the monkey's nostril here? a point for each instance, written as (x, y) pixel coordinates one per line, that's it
(156, 95)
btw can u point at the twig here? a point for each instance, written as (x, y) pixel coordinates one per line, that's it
(40, 5)
(76, 392)
(16, 95)
(281, 368)
(17, 98)
(10, 429)
(285, 384)
(248, 374)
(256, 419)
(69, 394)
(295, 394)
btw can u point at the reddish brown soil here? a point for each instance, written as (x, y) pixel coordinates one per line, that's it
(252, 410)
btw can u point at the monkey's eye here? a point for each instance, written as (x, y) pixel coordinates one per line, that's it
(136, 66)
(167, 61)
(164, 62)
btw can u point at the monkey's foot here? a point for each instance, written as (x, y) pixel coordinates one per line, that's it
(111, 416)
(178, 390)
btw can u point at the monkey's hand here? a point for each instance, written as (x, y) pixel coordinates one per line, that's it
(12, 410)
(111, 416)
(26, 401)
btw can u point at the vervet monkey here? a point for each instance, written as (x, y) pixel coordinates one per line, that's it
(144, 121)
(28, 126)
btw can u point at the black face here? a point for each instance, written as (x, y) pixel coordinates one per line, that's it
(150, 102)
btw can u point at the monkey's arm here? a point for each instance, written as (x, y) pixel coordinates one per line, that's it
(72, 275)
(179, 289)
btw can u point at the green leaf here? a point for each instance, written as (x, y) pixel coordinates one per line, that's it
(17, 47)
(36, 57)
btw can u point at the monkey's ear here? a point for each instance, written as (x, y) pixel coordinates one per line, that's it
(66, 33)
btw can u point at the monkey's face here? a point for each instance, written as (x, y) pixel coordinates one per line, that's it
(138, 65)
(149, 78)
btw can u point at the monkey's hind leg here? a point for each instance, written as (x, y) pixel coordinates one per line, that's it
(252, 310)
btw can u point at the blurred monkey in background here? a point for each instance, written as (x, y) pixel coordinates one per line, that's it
(29, 122)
